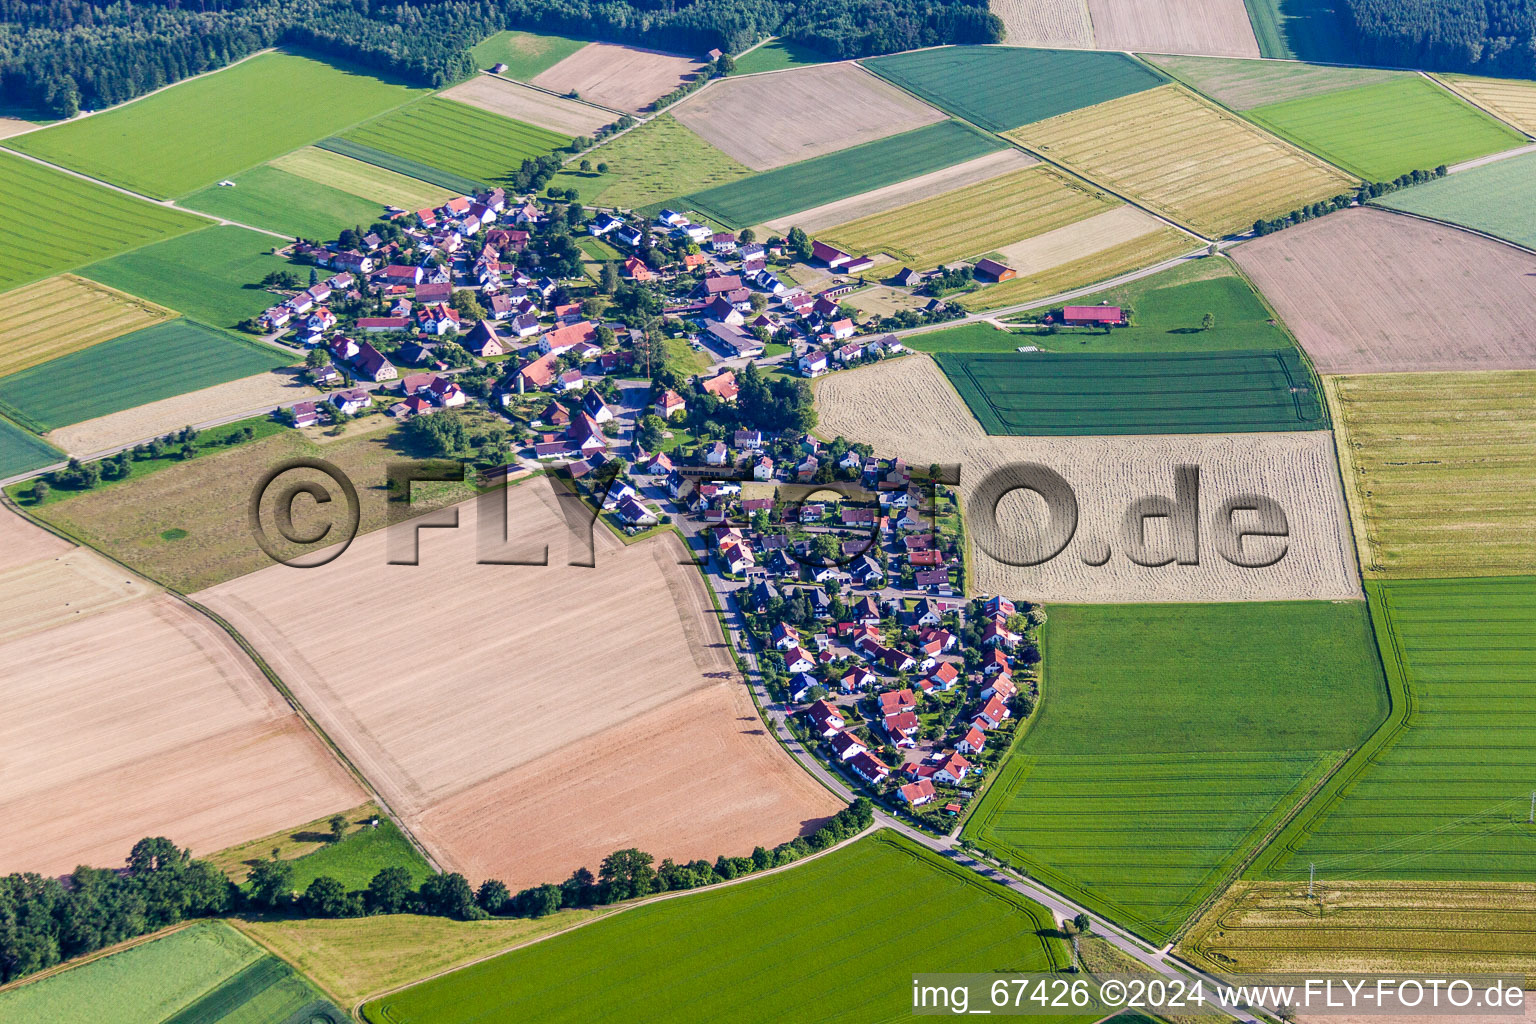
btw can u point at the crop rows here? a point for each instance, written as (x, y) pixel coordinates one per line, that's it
(65, 314)
(459, 139)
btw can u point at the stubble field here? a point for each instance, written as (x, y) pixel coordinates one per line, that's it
(365, 181)
(1439, 471)
(767, 121)
(1081, 254)
(525, 747)
(1044, 22)
(1368, 291)
(619, 77)
(531, 106)
(65, 314)
(1019, 205)
(1512, 99)
(1216, 27)
(1185, 159)
(132, 715)
(1297, 470)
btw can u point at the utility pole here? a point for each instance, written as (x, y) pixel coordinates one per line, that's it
(1312, 872)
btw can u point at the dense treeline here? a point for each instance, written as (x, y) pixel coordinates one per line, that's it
(1344, 200)
(45, 921)
(57, 56)
(1496, 37)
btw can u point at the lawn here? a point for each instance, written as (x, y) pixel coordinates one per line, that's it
(199, 131)
(1390, 128)
(213, 275)
(824, 179)
(1167, 310)
(146, 366)
(1497, 198)
(1170, 739)
(266, 197)
(525, 54)
(36, 249)
(21, 451)
(1049, 393)
(1185, 158)
(777, 55)
(965, 80)
(375, 184)
(64, 314)
(1442, 791)
(1439, 470)
(832, 925)
(659, 159)
(460, 139)
(945, 228)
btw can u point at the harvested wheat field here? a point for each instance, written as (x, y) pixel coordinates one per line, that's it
(248, 396)
(469, 730)
(1296, 470)
(767, 121)
(531, 106)
(618, 77)
(129, 714)
(974, 220)
(22, 543)
(1512, 99)
(64, 314)
(1367, 291)
(924, 186)
(1079, 239)
(1062, 23)
(1440, 470)
(1077, 271)
(1185, 159)
(1218, 28)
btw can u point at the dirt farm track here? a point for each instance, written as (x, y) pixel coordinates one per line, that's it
(552, 715)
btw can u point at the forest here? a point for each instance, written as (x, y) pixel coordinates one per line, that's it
(60, 56)
(1493, 37)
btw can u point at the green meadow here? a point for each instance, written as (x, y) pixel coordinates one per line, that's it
(213, 275)
(1170, 739)
(777, 55)
(35, 248)
(1390, 128)
(458, 138)
(265, 197)
(832, 939)
(662, 157)
(204, 129)
(525, 54)
(157, 362)
(357, 858)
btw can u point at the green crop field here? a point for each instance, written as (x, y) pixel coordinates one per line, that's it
(1170, 739)
(849, 928)
(20, 451)
(525, 54)
(192, 134)
(1054, 393)
(213, 275)
(661, 158)
(458, 138)
(366, 181)
(157, 362)
(1300, 29)
(825, 179)
(265, 197)
(357, 858)
(1380, 131)
(1438, 468)
(35, 248)
(1443, 790)
(776, 55)
(1499, 198)
(405, 166)
(1244, 84)
(966, 80)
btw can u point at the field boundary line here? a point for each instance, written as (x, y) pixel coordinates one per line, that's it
(528, 85)
(873, 828)
(1467, 99)
(1452, 225)
(1353, 500)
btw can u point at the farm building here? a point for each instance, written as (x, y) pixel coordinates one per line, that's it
(994, 270)
(1092, 316)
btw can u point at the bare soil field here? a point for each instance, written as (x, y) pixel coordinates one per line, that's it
(22, 543)
(247, 396)
(1061, 23)
(913, 190)
(64, 314)
(1218, 28)
(1186, 159)
(12, 126)
(52, 591)
(526, 665)
(1512, 99)
(519, 102)
(1107, 474)
(1084, 238)
(146, 719)
(882, 300)
(767, 121)
(620, 77)
(1367, 291)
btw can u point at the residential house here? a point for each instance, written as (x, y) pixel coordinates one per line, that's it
(868, 767)
(813, 364)
(973, 742)
(825, 720)
(918, 793)
(350, 401)
(845, 745)
(670, 403)
(483, 340)
(636, 270)
(370, 363)
(305, 414)
(723, 387)
(992, 714)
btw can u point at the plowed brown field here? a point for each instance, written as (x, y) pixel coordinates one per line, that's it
(1219, 28)
(620, 77)
(519, 102)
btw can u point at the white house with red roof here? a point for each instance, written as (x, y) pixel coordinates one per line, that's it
(846, 745)
(973, 742)
(917, 793)
(825, 719)
(868, 767)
